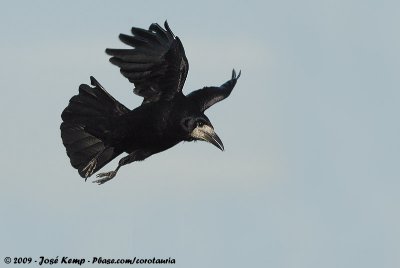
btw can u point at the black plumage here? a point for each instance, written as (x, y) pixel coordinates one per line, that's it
(96, 128)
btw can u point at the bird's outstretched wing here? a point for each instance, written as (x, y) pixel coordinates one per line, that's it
(156, 64)
(208, 96)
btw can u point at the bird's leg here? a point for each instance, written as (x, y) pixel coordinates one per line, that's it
(106, 176)
(91, 166)
(137, 155)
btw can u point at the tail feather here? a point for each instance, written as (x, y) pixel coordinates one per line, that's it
(92, 102)
(82, 139)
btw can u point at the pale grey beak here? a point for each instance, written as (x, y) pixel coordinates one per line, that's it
(207, 133)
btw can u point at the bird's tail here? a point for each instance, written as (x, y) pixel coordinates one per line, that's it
(87, 122)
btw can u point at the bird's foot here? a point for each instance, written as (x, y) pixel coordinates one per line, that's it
(90, 167)
(105, 177)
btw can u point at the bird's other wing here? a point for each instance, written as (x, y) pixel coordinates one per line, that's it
(157, 64)
(208, 96)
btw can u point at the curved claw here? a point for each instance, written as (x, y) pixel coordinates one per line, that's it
(90, 167)
(106, 176)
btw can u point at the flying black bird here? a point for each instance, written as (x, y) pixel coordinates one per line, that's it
(96, 128)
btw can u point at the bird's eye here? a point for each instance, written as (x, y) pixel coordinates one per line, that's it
(200, 124)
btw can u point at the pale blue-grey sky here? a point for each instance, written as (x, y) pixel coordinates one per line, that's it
(310, 175)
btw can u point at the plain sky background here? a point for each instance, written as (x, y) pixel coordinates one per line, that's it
(310, 176)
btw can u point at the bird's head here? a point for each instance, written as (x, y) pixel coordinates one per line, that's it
(200, 128)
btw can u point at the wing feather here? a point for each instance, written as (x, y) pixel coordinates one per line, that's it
(156, 64)
(206, 97)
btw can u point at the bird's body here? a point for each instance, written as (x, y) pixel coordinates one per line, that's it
(97, 128)
(158, 123)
